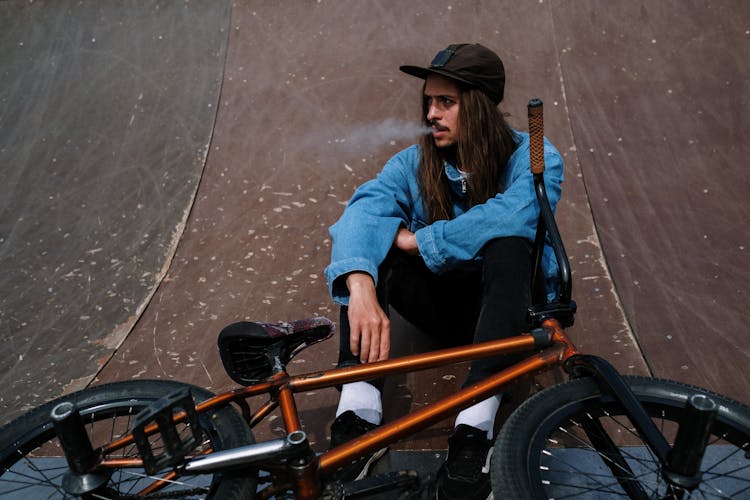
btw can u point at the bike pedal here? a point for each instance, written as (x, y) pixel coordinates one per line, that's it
(172, 442)
(373, 486)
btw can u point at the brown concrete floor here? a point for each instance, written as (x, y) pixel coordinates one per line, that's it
(170, 168)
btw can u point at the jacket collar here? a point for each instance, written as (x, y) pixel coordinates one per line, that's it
(456, 179)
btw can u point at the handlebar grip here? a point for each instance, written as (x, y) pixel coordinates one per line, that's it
(536, 135)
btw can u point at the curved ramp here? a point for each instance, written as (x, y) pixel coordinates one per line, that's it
(106, 113)
(658, 96)
(640, 99)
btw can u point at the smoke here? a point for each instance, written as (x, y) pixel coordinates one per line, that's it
(369, 138)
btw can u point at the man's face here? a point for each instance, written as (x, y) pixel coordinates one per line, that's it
(442, 98)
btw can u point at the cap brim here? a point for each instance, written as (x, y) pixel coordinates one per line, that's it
(415, 71)
(422, 73)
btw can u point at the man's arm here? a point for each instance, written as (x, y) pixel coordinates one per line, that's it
(370, 327)
(406, 241)
(365, 232)
(514, 212)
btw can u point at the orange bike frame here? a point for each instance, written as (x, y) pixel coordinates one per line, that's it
(282, 388)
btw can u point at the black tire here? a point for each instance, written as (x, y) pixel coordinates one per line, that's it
(541, 451)
(32, 464)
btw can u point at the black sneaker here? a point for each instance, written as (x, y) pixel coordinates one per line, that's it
(346, 427)
(465, 473)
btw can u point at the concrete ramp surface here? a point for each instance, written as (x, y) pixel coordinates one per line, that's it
(171, 167)
(107, 114)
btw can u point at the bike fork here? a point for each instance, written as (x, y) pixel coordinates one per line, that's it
(680, 462)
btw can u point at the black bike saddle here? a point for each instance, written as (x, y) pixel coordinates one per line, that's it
(249, 350)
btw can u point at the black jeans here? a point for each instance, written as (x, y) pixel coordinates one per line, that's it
(480, 302)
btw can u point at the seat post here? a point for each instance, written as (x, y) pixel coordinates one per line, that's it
(288, 408)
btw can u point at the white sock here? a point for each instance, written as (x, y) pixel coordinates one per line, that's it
(363, 399)
(481, 415)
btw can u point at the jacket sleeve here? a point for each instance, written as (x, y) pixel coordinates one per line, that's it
(364, 234)
(514, 212)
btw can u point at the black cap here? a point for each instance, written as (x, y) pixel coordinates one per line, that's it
(469, 63)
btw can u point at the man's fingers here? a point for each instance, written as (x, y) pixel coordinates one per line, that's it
(369, 331)
(374, 349)
(385, 343)
(364, 347)
(354, 342)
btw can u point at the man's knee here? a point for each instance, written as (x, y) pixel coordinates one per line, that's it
(510, 252)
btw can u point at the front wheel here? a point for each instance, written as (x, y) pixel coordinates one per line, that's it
(544, 449)
(32, 464)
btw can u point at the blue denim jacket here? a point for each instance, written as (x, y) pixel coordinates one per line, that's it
(364, 234)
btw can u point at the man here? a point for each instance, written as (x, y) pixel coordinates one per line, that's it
(444, 235)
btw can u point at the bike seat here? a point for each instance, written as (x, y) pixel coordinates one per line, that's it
(249, 351)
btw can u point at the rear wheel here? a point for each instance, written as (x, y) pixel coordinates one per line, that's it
(544, 452)
(32, 464)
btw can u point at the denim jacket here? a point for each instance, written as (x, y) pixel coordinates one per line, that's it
(364, 234)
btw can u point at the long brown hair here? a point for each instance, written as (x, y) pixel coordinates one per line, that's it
(485, 143)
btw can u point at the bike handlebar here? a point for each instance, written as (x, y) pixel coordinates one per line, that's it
(536, 135)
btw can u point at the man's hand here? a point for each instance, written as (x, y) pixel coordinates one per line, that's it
(370, 328)
(406, 240)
